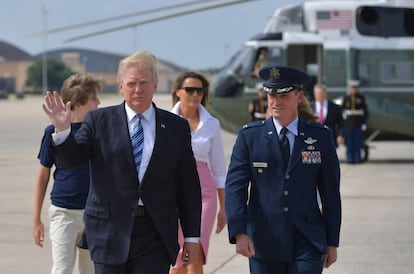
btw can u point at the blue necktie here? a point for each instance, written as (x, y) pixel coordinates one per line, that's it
(285, 146)
(137, 141)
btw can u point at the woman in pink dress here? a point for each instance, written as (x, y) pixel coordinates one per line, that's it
(190, 97)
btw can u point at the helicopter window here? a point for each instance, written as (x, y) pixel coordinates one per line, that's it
(231, 61)
(335, 71)
(244, 62)
(239, 63)
(375, 21)
(364, 72)
(266, 56)
(398, 72)
(260, 61)
(286, 19)
(275, 56)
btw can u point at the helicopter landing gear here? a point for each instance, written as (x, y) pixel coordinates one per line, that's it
(364, 152)
(365, 146)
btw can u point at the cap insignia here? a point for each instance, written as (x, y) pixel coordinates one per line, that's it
(274, 73)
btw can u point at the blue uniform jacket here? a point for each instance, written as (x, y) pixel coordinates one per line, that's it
(266, 202)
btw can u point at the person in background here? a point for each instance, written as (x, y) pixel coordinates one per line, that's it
(258, 106)
(260, 62)
(355, 113)
(276, 168)
(190, 94)
(70, 187)
(329, 113)
(143, 175)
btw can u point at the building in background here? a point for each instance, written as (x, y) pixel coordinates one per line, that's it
(14, 64)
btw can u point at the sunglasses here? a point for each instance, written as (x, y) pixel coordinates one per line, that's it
(191, 90)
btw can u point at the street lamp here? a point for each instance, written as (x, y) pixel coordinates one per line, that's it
(44, 56)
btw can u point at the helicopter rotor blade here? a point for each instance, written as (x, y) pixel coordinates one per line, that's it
(155, 19)
(119, 17)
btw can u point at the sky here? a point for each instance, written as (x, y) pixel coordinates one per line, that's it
(200, 40)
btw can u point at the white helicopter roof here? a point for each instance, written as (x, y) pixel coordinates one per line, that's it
(331, 23)
(304, 17)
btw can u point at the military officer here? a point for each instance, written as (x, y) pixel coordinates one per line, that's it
(277, 167)
(258, 106)
(355, 113)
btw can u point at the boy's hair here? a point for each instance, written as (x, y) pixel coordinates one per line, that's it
(78, 87)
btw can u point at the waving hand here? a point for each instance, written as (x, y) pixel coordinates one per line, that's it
(59, 114)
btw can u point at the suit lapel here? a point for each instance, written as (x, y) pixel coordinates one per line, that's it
(161, 137)
(329, 113)
(121, 135)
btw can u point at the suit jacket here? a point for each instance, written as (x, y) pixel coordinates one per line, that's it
(267, 202)
(333, 119)
(169, 189)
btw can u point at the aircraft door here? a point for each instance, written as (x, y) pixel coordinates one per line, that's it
(308, 58)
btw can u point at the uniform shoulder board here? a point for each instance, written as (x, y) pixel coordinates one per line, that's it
(254, 124)
(318, 125)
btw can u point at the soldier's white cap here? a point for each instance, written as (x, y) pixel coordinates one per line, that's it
(259, 85)
(353, 83)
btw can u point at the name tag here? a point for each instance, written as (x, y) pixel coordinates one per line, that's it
(311, 157)
(260, 164)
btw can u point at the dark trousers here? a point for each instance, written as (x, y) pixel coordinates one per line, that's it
(353, 138)
(307, 260)
(147, 254)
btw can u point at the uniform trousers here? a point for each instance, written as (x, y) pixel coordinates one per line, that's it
(353, 138)
(65, 231)
(147, 253)
(306, 260)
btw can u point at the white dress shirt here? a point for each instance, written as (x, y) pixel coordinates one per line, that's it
(148, 125)
(207, 144)
(324, 106)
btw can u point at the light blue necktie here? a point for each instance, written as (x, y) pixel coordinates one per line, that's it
(137, 141)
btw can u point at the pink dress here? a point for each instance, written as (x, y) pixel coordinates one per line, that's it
(209, 154)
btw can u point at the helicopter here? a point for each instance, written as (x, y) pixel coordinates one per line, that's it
(333, 42)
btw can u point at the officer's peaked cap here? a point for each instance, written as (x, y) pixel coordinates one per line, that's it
(280, 79)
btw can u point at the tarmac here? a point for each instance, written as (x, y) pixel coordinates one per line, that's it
(377, 234)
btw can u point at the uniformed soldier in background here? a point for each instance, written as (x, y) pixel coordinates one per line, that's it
(277, 167)
(355, 113)
(258, 107)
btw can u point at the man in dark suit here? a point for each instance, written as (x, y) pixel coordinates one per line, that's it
(136, 194)
(277, 167)
(329, 113)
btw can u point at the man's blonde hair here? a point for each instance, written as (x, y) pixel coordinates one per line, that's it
(143, 59)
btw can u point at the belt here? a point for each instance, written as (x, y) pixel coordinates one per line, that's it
(139, 211)
(355, 112)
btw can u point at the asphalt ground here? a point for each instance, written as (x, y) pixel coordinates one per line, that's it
(377, 197)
